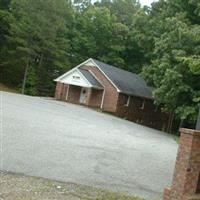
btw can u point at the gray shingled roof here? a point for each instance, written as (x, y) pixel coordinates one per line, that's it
(126, 82)
(94, 82)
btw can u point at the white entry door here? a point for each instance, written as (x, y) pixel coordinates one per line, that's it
(83, 95)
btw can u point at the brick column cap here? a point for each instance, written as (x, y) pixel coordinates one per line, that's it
(190, 131)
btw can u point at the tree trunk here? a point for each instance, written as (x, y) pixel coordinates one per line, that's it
(170, 122)
(41, 60)
(39, 85)
(25, 77)
(181, 123)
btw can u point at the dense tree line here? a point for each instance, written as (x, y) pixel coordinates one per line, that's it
(40, 40)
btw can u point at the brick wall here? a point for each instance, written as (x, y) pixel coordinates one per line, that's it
(166, 195)
(63, 94)
(95, 98)
(74, 94)
(58, 90)
(111, 94)
(61, 91)
(148, 115)
(187, 169)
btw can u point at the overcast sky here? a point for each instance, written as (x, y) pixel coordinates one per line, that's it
(143, 2)
(146, 2)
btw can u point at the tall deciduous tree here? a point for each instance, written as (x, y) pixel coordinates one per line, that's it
(174, 70)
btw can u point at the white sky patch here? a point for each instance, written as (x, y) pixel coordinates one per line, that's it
(143, 2)
(147, 2)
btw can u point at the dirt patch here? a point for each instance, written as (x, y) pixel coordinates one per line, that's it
(21, 187)
(8, 89)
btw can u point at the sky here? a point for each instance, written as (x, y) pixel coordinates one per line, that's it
(146, 2)
(143, 2)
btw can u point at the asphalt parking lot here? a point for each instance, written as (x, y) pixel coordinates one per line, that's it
(72, 143)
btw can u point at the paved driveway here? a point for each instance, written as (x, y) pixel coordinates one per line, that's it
(72, 143)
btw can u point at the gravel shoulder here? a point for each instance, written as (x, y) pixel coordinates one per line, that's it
(20, 187)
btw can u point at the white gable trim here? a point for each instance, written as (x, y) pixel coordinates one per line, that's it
(85, 78)
(90, 61)
(69, 79)
(65, 74)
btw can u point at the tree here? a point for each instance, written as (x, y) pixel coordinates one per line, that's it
(37, 33)
(4, 29)
(96, 33)
(106, 31)
(174, 65)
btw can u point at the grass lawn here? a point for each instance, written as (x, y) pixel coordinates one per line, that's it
(7, 89)
(176, 138)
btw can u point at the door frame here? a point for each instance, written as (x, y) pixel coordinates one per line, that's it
(81, 93)
(67, 94)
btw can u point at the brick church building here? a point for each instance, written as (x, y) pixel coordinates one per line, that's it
(125, 94)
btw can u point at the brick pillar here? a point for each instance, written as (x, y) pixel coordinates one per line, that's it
(58, 90)
(187, 169)
(89, 94)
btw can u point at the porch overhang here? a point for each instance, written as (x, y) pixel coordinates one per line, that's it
(80, 78)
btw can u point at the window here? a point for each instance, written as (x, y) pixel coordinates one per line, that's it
(142, 104)
(127, 101)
